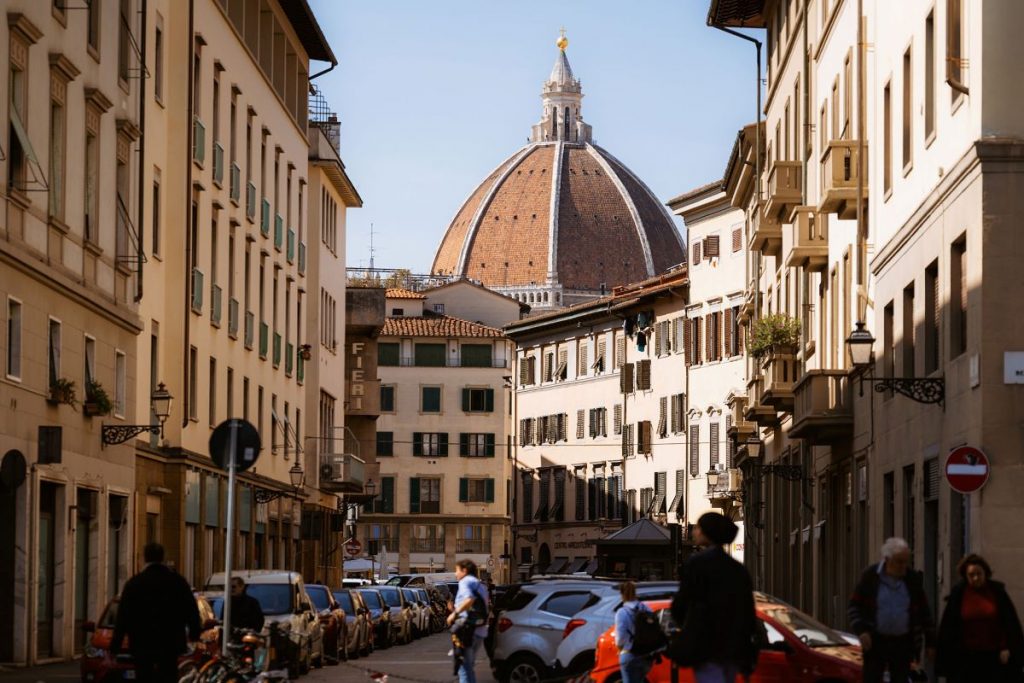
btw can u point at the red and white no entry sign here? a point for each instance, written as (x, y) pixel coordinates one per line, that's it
(353, 547)
(967, 469)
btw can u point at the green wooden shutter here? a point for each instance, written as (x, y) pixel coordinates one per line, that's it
(489, 400)
(442, 448)
(463, 444)
(463, 490)
(387, 494)
(490, 445)
(414, 495)
(489, 490)
(465, 400)
(417, 443)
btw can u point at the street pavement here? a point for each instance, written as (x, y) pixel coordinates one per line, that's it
(62, 672)
(423, 661)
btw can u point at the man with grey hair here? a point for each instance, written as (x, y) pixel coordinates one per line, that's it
(889, 613)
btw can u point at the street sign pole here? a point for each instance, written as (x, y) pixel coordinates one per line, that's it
(229, 545)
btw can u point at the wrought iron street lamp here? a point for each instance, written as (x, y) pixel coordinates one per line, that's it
(753, 444)
(160, 402)
(297, 477)
(921, 389)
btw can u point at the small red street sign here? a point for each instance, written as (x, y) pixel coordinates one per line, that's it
(353, 547)
(966, 469)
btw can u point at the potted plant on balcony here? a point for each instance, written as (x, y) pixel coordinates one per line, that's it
(62, 390)
(97, 401)
(774, 334)
(305, 351)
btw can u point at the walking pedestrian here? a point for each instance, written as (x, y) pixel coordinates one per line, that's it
(245, 609)
(980, 637)
(634, 665)
(714, 608)
(470, 609)
(155, 612)
(889, 613)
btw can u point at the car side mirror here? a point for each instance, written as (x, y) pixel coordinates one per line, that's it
(88, 626)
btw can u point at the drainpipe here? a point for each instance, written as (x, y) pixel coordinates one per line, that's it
(140, 231)
(318, 74)
(862, 237)
(188, 213)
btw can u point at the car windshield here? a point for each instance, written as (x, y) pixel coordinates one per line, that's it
(391, 596)
(274, 598)
(371, 599)
(394, 581)
(319, 597)
(345, 600)
(217, 605)
(804, 627)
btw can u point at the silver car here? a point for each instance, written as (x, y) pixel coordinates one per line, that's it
(401, 613)
(575, 654)
(529, 628)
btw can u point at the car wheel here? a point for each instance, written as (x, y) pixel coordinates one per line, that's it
(523, 668)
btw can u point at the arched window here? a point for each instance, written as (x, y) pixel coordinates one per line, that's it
(554, 123)
(567, 128)
(545, 297)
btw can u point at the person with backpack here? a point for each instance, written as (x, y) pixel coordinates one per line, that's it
(637, 635)
(468, 619)
(714, 608)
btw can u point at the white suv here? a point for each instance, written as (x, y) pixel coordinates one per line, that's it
(282, 597)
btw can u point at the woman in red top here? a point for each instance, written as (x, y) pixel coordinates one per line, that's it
(980, 637)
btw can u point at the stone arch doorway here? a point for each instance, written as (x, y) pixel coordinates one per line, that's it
(12, 476)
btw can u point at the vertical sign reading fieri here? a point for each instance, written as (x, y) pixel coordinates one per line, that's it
(357, 376)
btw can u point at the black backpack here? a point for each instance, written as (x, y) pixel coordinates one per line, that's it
(647, 634)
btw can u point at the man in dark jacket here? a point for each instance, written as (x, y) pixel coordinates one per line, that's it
(245, 609)
(155, 611)
(715, 608)
(889, 613)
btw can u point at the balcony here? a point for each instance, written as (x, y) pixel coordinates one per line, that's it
(426, 545)
(215, 306)
(265, 217)
(198, 140)
(342, 473)
(727, 489)
(449, 362)
(233, 318)
(250, 329)
(278, 231)
(472, 545)
(250, 201)
(218, 164)
(839, 179)
(779, 370)
(302, 258)
(746, 311)
(757, 411)
(367, 403)
(808, 246)
(290, 251)
(235, 190)
(740, 429)
(765, 233)
(823, 410)
(197, 290)
(785, 190)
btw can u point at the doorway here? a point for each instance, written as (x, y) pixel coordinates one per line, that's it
(12, 476)
(46, 570)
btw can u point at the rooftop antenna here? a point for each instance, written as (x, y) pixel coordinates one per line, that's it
(372, 250)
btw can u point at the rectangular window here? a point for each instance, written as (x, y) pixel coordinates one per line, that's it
(929, 76)
(477, 400)
(385, 502)
(259, 412)
(476, 445)
(430, 355)
(387, 398)
(887, 138)
(92, 197)
(475, 355)
(90, 364)
(476, 490)
(158, 60)
(387, 353)
(426, 498)
(193, 383)
(908, 103)
(53, 355)
(57, 138)
(889, 341)
(958, 297)
(123, 40)
(847, 95)
(932, 308)
(430, 399)
(909, 506)
(694, 445)
(92, 24)
(155, 246)
(430, 444)
(909, 332)
(120, 384)
(212, 384)
(13, 339)
(229, 401)
(954, 48)
(385, 443)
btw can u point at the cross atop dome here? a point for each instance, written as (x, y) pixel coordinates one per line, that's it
(561, 99)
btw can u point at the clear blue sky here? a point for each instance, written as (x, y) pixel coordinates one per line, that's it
(433, 94)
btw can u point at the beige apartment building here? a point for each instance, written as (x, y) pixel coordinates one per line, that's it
(601, 434)
(885, 192)
(69, 280)
(227, 325)
(444, 432)
(714, 350)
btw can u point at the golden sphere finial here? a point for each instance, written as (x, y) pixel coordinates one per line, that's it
(562, 41)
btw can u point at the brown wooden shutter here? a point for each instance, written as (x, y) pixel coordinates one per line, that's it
(711, 246)
(626, 379)
(617, 418)
(545, 367)
(714, 444)
(579, 423)
(643, 380)
(687, 342)
(601, 360)
(737, 239)
(730, 444)
(645, 432)
(524, 366)
(583, 365)
(694, 450)
(663, 417)
(620, 351)
(709, 324)
(727, 336)
(696, 254)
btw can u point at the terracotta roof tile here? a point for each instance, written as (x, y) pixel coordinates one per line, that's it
(436, 326)
(403, 294)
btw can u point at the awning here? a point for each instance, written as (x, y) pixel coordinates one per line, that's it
(591, 566)
(577, 565)
(659, 500)
(556, 566)
(555, 510)
(677, 504)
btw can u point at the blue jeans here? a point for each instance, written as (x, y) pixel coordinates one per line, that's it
(634, 669)
(713, 672)
(467, 674)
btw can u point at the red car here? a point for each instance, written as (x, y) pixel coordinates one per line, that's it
(799, 650)
(99, 666)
